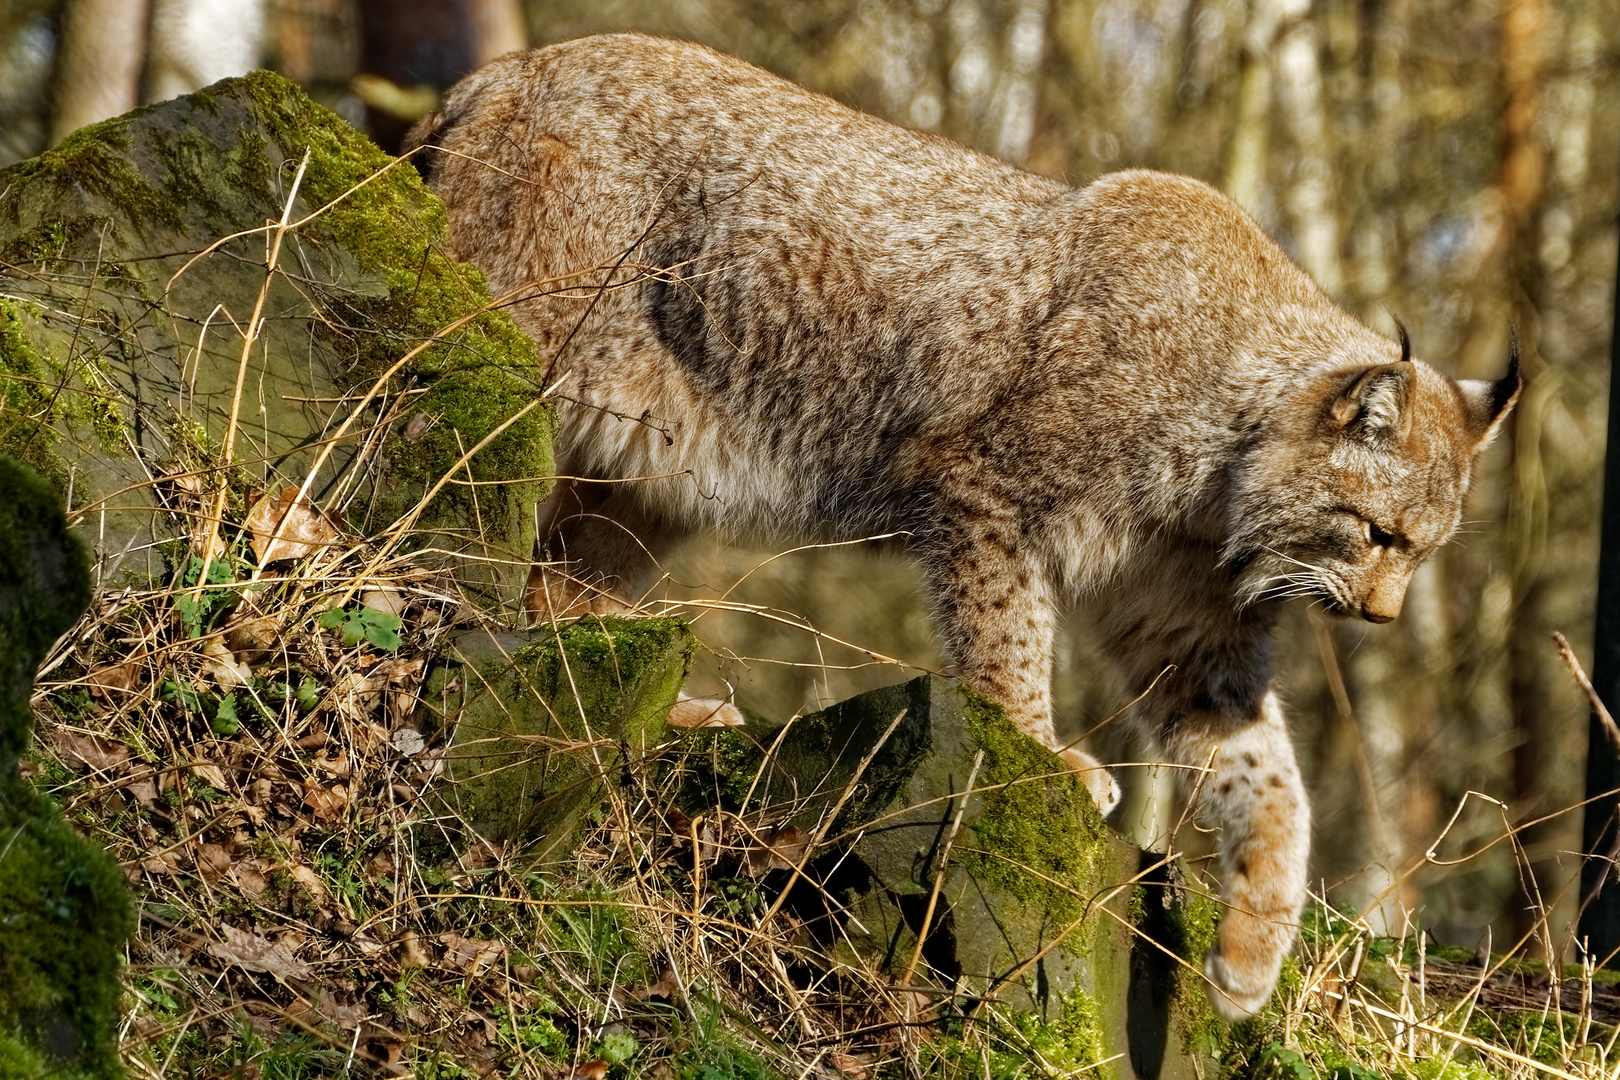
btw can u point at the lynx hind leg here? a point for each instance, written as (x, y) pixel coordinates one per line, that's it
(1255, 797)
(597, 553)
(995, 614)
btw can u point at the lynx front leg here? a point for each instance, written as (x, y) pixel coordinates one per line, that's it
(1254, 796)
(995, 613)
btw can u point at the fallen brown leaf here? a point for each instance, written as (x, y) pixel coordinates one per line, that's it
(210, 774)
(326, 803)
(252, 636)
(664, 988)
(95, 751)
(222, 666)
(858, 1066)
(213, 861)
(250, 878)
(251, 952)
(346, 1015)
(333, 766)
(780, 848)
(117, 677)
(387, 601)
(165, 864)
(471, 958)
(302, 528)
(144, 792)
(310, 880)
(411, 953)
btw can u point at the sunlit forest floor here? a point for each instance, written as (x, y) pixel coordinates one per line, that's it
(249, 756)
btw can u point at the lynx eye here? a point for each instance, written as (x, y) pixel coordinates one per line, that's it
(1378, 536)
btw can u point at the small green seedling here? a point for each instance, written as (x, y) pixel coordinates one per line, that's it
(364, 624)
(197, 610)
(226, 721)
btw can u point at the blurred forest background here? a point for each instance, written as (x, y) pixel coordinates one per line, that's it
(1452, 162)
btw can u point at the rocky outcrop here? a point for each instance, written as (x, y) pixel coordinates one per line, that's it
(544, 719)
(64, 914)
(138, 317)
(940, 821)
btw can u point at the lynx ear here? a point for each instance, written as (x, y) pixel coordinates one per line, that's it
(1488, 403)
(1376, 406)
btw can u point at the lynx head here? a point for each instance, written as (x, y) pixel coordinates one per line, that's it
(1354, 482)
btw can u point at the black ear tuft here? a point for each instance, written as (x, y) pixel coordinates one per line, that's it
(1405, 339)
(1488, 403)
(1505, 391)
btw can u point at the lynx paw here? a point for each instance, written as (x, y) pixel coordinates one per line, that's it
(1242, 966)
(552, 596)
(691, 712)
(1098, 780)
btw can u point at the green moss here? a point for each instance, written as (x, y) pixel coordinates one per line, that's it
(21, 1061)
(1038, 863)
(1073, 1043)
(44, 585)
(479, 376)
(126, 194)
(26, 399)
(609, 675)
(41, 244)
(718, 767)
(39, 392)
(66, 920)
(1007, 1044)
(531, 714)
(63, 911)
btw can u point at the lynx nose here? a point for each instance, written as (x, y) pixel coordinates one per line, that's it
(1383, 601)
(1383, 604)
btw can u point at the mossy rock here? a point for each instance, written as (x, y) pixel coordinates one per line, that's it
(64, 913)
(1040, 907)
(544, 719)
(121, 333)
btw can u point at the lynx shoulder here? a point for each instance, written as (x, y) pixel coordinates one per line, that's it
(786, 320)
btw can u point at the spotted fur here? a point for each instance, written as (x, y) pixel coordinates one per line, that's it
(777, 319)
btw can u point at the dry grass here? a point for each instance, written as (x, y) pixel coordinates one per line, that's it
(260, 782)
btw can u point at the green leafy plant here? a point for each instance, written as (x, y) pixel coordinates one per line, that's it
(198, 609)
(355, 625)
(226, 721)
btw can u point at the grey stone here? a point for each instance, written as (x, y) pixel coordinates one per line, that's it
(543, 720)
(1041, 905)
(122, 304)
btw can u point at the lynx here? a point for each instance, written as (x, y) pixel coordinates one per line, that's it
(776, 318)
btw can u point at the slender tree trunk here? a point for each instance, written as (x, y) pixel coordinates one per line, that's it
(1599, 926)
(193, 43)
(98, 71)
(1311, 198)
(1016, 96)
